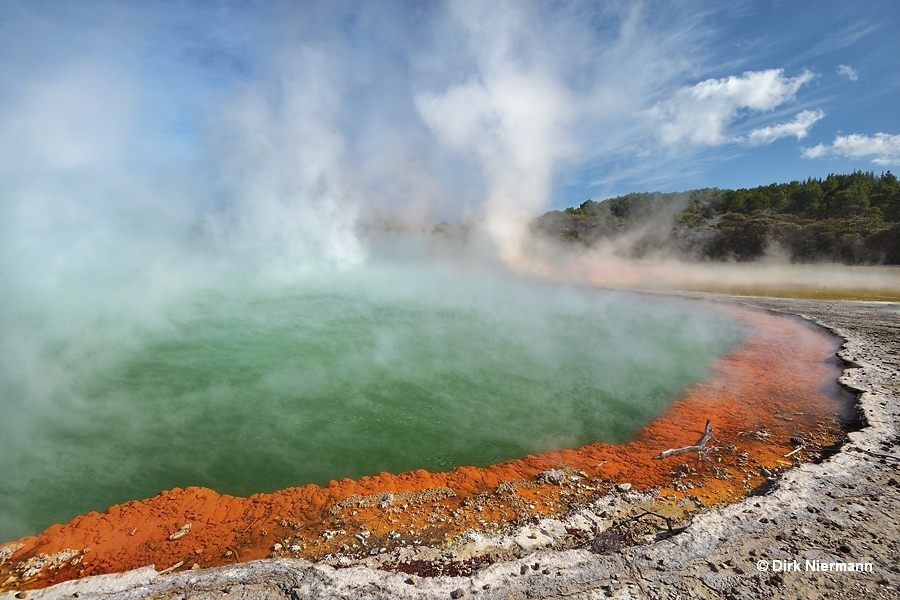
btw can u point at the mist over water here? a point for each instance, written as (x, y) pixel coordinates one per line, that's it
(393, 365)
(192, 289)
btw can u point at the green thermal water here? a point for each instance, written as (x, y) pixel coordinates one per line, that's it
(342, 376)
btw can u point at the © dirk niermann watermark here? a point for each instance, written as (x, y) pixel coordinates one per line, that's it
(814, 566)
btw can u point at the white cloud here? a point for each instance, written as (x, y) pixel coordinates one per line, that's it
(797, 128)
(883, 148)
(700, 115)
(849, 72)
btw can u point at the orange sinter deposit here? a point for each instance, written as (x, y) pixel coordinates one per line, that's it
(772, 403)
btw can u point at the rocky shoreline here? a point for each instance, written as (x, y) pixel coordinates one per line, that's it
(840, 512)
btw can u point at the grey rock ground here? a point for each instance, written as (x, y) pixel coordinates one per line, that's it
(838, 513)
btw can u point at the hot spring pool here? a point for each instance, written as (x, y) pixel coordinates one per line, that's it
(341, 374)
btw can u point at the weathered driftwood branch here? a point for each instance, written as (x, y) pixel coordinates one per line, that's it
(700, 447)
(795, 450)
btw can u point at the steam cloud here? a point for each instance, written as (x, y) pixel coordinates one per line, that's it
(151, 151)
(269, 143)
(148, 153)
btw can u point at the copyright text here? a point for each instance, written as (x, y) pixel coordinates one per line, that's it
(787, 566)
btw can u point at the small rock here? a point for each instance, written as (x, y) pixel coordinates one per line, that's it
(181, 532)
(554, 476)
(458, 593)
(623, 487)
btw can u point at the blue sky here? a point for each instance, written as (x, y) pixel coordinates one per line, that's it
(433, 109)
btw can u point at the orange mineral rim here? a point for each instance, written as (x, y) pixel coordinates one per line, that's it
(772, 403)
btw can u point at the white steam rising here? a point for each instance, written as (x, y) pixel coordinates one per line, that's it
(148, 154)
(512, 113)
(664, 267)
(147, 161)
(290, 194)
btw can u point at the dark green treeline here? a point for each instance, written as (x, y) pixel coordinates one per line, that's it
(852, 219)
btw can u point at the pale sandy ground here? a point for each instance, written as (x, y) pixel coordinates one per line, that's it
(843, 511)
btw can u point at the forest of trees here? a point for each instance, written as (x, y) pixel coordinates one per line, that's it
(851, 219)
